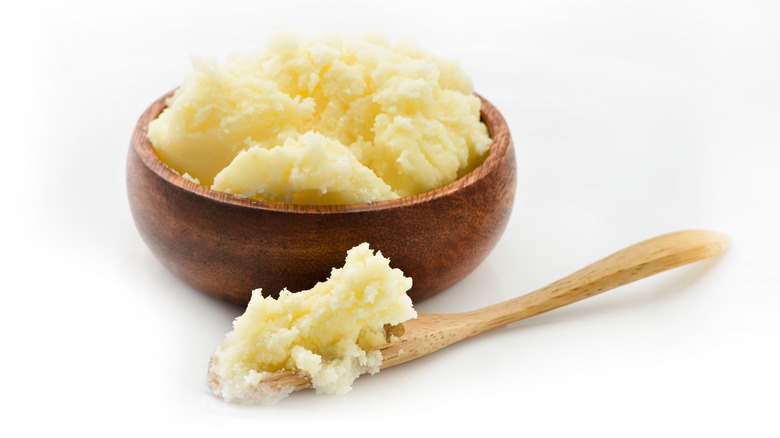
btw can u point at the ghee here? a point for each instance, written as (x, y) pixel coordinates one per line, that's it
(325, 332)
(334, 120)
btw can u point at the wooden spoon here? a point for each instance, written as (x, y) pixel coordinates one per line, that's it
(431, 332)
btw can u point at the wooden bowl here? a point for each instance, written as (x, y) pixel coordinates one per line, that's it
(227, 246)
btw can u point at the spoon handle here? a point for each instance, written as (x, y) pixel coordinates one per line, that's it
(630, 264)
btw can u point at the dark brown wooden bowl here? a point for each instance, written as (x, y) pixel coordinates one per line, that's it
(227, 246)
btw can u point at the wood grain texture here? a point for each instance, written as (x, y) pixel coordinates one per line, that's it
(227, 246)
(432, 332)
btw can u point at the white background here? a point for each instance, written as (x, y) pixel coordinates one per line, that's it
(630, 119)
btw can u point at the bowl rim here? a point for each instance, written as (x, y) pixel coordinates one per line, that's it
(495, 122)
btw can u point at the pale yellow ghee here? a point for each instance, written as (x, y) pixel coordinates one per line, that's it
(334, 120)
(326, 332)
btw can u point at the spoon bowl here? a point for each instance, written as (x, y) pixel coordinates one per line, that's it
(227, 246)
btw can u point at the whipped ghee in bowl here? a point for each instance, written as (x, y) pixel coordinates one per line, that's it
(263, 171)
(328, 121)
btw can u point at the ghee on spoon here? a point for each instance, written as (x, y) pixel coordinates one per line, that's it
(431, 332)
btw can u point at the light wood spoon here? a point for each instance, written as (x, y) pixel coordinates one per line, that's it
(431, 332)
